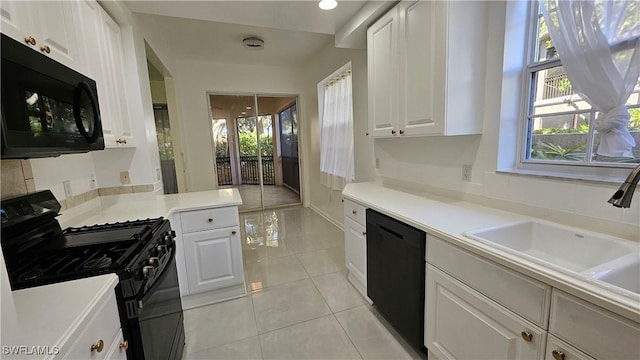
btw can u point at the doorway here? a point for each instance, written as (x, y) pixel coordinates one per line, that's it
(255, 141)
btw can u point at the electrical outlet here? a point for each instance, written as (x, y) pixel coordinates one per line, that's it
(124, 178)
(67, 189)
(94, 183)
(466, 173)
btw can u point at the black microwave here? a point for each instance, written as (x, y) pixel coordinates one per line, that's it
(48, 109)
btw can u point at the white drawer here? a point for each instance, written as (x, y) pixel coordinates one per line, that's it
(208, 219)
(596, 331)
(355, 211)
(118, 350)
(104, 326)
(521, 294)
(558, 349)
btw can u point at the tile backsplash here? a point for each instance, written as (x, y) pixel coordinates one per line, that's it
(17, 179)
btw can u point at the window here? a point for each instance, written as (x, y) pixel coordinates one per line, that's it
(335, 107)
(558, 124)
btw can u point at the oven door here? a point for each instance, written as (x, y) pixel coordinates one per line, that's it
(160, 320)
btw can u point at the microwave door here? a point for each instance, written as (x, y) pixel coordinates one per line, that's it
(86, 114)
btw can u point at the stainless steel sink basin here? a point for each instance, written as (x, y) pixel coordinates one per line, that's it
(564, 248)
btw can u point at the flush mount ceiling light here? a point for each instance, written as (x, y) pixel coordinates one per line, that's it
(327, 4)
(248, 107)
(253, 43)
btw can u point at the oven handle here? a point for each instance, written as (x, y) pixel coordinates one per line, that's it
(144, 297)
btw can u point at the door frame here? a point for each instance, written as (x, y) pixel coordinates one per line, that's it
(301, 138)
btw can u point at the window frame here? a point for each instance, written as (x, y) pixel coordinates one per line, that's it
(585, 169)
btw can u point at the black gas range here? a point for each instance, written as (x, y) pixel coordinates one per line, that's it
(141, 252)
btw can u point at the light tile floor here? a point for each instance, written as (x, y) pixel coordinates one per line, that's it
(300, 303)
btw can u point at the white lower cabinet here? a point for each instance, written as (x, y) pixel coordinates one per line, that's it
(210, 259)
(355, 245)
(464, 324)
(208, 255)
(118, 350)
(560, 350)
(100, 334)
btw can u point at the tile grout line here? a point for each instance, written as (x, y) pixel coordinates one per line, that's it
(255, 320)
(347, 334)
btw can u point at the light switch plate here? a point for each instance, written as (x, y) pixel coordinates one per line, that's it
(67, 189)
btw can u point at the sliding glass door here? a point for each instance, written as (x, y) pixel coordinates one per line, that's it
(252, 152)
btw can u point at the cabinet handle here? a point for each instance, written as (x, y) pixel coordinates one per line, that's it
(98, 346)
(364, 233)
(233, 232)
(30, 40)
(557, 354)
(527, 336)
(393, 132)
(401, 132)
(45, 49)
(354, 212)
(210, 219)
(118, 141)
(124, 141)
(124, 345)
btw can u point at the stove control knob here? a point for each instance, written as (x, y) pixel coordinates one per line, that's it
(161, 250)
(153, 251)
(154, 261)
(148, 271)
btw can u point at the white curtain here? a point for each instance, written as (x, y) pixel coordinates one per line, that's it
(336, 133)
(599, 44)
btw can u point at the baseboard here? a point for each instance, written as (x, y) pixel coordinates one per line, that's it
(214, 296)
(327, 217)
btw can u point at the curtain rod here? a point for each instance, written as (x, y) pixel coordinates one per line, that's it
(338, 78)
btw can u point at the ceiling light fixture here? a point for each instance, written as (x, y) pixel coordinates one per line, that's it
(253, 43)
(248, 107)
(327, 4)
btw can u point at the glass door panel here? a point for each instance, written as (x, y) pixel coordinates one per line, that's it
(255, 142)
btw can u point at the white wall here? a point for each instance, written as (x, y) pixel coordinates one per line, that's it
(142, 161)
(194, 79)
(437, 161)
(325, 62)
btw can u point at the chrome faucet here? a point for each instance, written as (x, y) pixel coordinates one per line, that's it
(622, 197)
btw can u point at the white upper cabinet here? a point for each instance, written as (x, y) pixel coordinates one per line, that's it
(104, 60)
(381, 58)
(45, 26)
(426, 64)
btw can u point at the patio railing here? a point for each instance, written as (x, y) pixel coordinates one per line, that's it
(248, 169)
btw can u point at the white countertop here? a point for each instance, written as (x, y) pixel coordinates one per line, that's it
(48, 315)
(142, 206)
(448, 219)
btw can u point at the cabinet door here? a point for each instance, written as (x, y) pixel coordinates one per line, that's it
(559, 350)
(463, 324)
(56, 26)
(213, 259)
(421, 37)
(355, 243)
(382, 75)
(116, 127)
(14, 17)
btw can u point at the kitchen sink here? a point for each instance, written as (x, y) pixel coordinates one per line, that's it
(563, 247)
(625, 275)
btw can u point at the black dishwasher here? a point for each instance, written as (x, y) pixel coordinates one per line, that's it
(396, 274)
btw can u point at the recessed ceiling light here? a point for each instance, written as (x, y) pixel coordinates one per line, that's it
(327, 4)
(243, 113)
(248, 107)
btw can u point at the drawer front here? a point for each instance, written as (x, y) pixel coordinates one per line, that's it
(118, 349)
(104, 326)
(560, 350)
(592, 329)
(521, 294)
(207, 219)
(355, 211)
